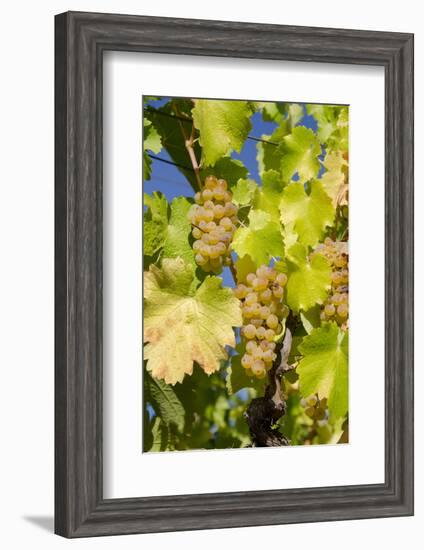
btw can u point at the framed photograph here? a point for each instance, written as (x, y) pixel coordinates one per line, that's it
(234, 274)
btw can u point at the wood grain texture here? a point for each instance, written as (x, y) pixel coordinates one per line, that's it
(81, 39)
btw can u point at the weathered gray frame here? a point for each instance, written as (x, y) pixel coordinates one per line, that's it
(81, 39)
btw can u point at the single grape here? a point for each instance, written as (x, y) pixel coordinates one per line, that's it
(207, 194)
(240, 291)
(208, 216)
(222, 183)
(218, 211)
(340, 261)
(260, 283)
(264, 312)
(200, 260)
(202, 225)
(247, 361)
(329, 310)
(227, 197)
(336, 299)
(251, 347)
(258, 367)
(266, 296)
(251, 298)
(226, 223)
(272, 321)
(336, 277)
(249, 331)
(270, 335)
(262, 272)
(214, 251)
(210, 182)
(281, 279)
(278, 291)
(268, 356)
(197, 233)
(248, 311)
(250, 278)
(219, 194)
(342, 310)
(230, 209)
(221, 248)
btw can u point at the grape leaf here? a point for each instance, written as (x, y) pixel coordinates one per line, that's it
(333, 124)
(244, 191)
(269, 194)
(311, 318)
(273, 112)
(268, 151)
(164, 401)
(228, 169)
(308, 280)
(179, 228)
(307, 215)
(160, 437)
(155, 223)
(277, 112)
(183, 325)
(260, 240)
(223, 126)
(173, 141)
(151, 142)
(299, 153)
(147, 166)
(243, 266)
(295, 113)
(334, 179)
(324, 367)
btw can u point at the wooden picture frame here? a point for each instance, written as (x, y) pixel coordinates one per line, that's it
(81, 39)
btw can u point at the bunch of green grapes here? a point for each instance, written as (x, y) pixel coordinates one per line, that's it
(262, 307)
(336, 307)
(316, 409)
(214, 219)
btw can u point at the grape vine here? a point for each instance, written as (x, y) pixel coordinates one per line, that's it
(246, 274)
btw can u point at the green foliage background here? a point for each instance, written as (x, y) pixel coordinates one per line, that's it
(195, 390)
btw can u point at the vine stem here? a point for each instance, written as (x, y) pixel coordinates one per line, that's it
(189, 142)
(233, 271)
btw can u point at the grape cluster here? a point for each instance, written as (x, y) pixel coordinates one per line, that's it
(214, 221)
(262, 307)
(336, 307)
(316, 409)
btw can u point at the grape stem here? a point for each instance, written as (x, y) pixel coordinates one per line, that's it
(189, 142)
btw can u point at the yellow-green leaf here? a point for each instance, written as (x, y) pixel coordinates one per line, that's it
(333, 180)
(300, 151)
(223, 126)
(308, 280)
(261, 240)
(307, 215)
(183, 325)
(324, 367)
